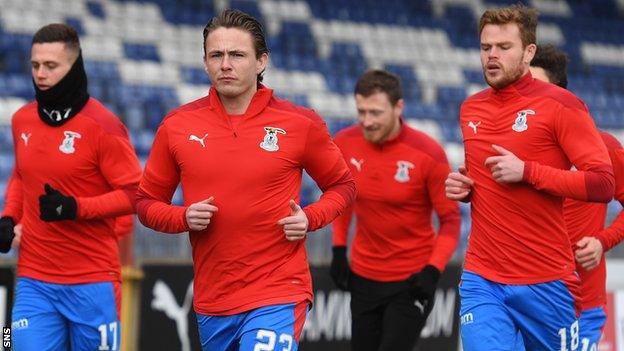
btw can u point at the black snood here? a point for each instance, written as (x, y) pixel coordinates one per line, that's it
(66, 98)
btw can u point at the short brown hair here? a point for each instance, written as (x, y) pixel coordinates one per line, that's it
(379, 81)
(524, 17)
(554, 62)
(238, 19)
(58, 32)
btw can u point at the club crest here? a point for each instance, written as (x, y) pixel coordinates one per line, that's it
(402, 173)
(269, 143)
(521, 120)
(67, 145)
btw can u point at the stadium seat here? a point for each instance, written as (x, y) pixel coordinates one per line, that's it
(145, 57)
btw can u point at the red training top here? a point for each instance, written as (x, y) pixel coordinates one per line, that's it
(588, 219)
(253, 169)
(90, 158)
(518, 234)
(399, 183)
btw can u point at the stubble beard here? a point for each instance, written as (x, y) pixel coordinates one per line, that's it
(379, 136)
(508, 78)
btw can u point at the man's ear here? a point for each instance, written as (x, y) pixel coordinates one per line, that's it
(529, 53)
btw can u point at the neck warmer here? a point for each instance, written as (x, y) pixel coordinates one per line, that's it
(66, 98)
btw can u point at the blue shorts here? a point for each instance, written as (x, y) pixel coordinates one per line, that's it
(492, 314)
(269, 328)
(50, 316)
(591, 323)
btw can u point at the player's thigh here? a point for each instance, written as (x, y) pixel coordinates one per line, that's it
(485, 323)
(403, 322)
(37, 326)
(591, 324)
(368, 306)
(273, 328)
(366, 325)
(545, 313)
(92, 311)
(219, 332)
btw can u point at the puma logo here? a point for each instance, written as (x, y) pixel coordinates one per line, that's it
(165, 301)
(56, 115)
(474, 126)
(357, 164)
(25, 137)
(420, 306)
(193, 137)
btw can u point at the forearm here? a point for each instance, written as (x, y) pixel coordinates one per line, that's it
(112, 204)
(340, 227)
(447, 239)
(595, 185)
(332, 203)
(614, 234)
(13, 206)
(159, 215)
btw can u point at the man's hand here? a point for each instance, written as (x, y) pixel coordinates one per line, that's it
(422, 287)
(458, 186)
(54, 206)
(7, 233)
(198, 215)
(589, 252)
(339, 269)
(506, 167)
(295, 225)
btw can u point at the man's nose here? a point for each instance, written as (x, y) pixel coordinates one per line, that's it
(226, 63)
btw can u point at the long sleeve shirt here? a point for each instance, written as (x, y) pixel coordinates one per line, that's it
(588, 219)
(400, 183)
(90, 158)
(518, 233)
(252, 168)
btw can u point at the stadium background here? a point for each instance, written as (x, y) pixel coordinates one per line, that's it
(144, 58)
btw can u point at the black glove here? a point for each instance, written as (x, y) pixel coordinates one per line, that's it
(423, 284)
(339, 269)
(55, 206)
(6, 233)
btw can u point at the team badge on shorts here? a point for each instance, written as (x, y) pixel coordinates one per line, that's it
(67, 145)
(270, 139)
(521, 121)
(402, 173)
